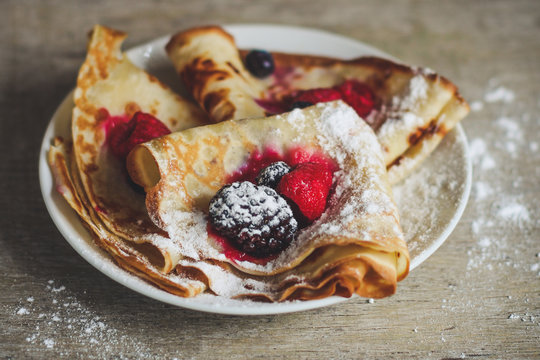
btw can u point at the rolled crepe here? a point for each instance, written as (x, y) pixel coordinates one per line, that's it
(356, 246)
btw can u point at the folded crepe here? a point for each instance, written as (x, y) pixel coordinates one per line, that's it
(415, 107)
(356, 246)
(110, 89)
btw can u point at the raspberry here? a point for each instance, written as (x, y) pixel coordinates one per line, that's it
(299, 155)
(254, 218)
(270, 175)
(141, 128)
(307, 186)
(318, 95)
(357, 95)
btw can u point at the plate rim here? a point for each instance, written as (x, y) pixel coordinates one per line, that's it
(96, 257)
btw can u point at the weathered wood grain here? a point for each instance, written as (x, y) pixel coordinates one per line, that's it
(478, 296)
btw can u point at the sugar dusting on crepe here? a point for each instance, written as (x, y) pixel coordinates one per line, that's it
(342, 133)
(401, 112)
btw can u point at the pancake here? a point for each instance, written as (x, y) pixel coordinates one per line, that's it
(414, 107)
(356, 246)
(110, 89)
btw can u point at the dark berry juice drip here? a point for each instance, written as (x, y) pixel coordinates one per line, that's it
(234, 254)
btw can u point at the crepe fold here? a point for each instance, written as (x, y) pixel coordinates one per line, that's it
(415, 107)
(95, 183)
(356, 246)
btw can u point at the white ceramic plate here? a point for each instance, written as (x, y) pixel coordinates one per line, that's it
(431, 201)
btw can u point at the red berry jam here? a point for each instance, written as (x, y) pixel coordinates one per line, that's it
(281, 98)
(259, 160)
(234, 254)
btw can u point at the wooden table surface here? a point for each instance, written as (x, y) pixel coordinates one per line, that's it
(478, 296)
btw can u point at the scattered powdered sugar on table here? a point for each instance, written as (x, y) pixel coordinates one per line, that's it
(68, 314)
(499, 94)
(504, 226)
(511, 212)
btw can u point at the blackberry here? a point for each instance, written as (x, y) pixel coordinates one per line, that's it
(254, 218)
(260, 63)
(270, 175)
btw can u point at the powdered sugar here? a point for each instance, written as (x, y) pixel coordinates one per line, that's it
(401, 115)
(22, 311)
(56, 311)
(342, 135)
(499, 94)
(428, 199)
(509, 214)
(514, 212)
(253, 214)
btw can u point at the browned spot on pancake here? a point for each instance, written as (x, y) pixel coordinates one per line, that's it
(442, 130)
(101, 115)
(229, 64)
(156, 81)
(199, 74)
(131, 108)
(216, 99)
(212, 99)
(90, 168)
(185, 37)
(396, 162)
(208, 63)
(103, 53)
(422, 132)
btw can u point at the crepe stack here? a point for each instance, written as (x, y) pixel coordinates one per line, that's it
(95, 183)
(150, 212)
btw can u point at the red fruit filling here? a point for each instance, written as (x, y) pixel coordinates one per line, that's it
(254, 164)
(123, 135)
(307, 186)
(318, 95)
(306, 190)
(355, 93)
(358, 95)
(233, 253)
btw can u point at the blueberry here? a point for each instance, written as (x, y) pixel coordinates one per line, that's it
(260, 63)
(300, 104)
